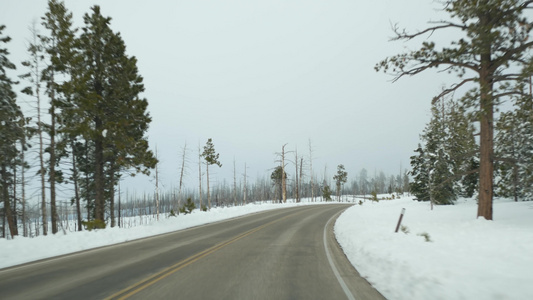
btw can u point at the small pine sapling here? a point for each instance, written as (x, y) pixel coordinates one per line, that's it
(188, 207)
(426, 236)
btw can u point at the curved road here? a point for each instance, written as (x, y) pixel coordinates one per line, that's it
(282, 254)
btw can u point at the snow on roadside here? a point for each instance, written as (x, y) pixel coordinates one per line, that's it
(467, 258)
(21, 250)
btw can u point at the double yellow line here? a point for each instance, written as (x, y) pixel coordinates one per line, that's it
(143, 284)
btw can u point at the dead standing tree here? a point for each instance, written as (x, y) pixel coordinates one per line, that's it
(283, 174)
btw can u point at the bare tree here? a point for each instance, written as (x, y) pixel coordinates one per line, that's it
(283, 175)
(34, 76)
(234, 184)
(244, 186)
(157, 185)
(182, 171)
(200, 176)
(311, 171)
(296, 176)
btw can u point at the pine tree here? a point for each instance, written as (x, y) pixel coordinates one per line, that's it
(58, 46)
(340, 179)
(326, 193)
(514, 151)
(420, 173)
(211, 158)
(11, 133)
(495, 36)
(441, 188)
(448, 156)
(462, 149)
(277, 179)
(110, 116)
(438, 159)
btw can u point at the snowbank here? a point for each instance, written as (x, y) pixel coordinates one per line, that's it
(467, 258)
(21, 250)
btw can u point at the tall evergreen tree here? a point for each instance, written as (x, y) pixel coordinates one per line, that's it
(495, 36)
(340, 179)
(440, 170)
(462, 149)
(277, 181)
(420, 173)
(11, 133)
(438, 159)
(108, 110)
(441, 187)
(514, 151)
(59, 46)
(211, 158)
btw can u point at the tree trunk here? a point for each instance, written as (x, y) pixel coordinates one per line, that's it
(296, 177)
(41, 151)
(23, 186)
(208, 193)
(200, 176)
(119, 209)
(234, 184)
(7, 206)
(283, 179)
(99, 172)
(181, 178)
(76, 187)
(53, 208)
(43, 181)
(301, 176)
(14, 208)
(156, 188)
(244, 186)
(112, 197)
(311, 172)
(486, 162)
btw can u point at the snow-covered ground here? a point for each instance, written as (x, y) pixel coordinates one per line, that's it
(467, 258)
(21, 249)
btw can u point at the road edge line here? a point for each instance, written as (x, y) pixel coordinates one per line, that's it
(345, 288)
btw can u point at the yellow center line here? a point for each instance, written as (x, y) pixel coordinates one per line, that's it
(143, 284)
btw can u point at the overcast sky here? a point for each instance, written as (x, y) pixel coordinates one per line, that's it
(255, 75)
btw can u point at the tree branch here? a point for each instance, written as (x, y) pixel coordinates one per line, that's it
(452, 89)
(508, 55)
(405, 36)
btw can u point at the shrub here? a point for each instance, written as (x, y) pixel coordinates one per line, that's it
(375, 196)
(188, 207)
(326, 193)
(93, 224)
(426, 236)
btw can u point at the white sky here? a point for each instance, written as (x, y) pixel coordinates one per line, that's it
(254, 75)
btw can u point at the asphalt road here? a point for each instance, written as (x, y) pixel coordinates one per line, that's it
(281, 254)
